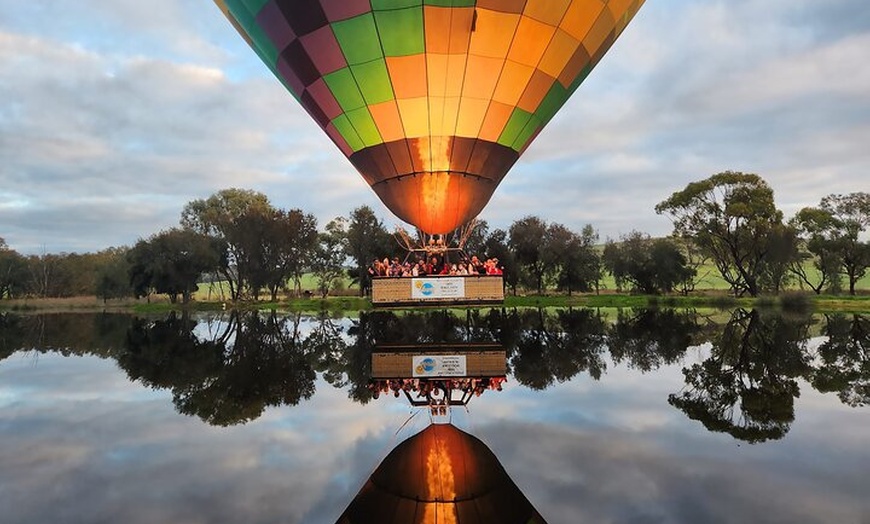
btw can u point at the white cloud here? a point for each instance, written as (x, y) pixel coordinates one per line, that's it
(153, 105)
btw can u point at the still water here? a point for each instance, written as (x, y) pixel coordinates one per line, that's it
(631, 416)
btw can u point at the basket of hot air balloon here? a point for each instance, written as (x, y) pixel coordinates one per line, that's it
(432, 101)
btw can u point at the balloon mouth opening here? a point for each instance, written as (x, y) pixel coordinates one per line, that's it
(436, 202)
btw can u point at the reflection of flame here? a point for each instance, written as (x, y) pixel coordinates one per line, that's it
(435, 157)
(441, 484)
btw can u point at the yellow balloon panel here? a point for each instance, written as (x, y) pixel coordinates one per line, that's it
(383, 75)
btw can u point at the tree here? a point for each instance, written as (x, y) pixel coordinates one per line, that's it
(696, 259)
(782, 254)
(475, 244)
(301, 240)
(329, 256)
(731, 216)
(171, 262)
(367, 239)
(112, 276)
(849, 217)
(814, 228)
(649, 266)
(580, 265)
(218, 216)
(13, 272)
(271, 246)
(528, 242)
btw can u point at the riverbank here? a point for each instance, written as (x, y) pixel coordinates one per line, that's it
(822, 303)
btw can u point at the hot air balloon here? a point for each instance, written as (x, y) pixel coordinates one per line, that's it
(440, 475)
(432, 101)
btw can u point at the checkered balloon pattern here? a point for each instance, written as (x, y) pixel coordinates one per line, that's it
(432, 101)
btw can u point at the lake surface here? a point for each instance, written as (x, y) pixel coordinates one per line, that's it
(631, 416)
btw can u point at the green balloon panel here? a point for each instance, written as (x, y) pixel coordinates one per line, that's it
(428, 73)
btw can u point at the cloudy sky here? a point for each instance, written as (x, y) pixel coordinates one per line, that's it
(114, 115)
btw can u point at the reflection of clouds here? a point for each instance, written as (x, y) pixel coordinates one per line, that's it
(82, 444)
(119, 453)
(610, 476)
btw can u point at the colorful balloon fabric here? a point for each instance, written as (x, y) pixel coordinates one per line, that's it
(431, 100)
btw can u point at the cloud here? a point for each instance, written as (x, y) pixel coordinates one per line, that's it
(133, 110)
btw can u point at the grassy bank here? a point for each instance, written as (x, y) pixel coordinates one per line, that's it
(823, 303)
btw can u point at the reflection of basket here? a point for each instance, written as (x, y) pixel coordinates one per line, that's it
(396, 364)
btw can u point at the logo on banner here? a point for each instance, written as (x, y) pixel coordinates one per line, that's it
(426, 288)
(426, 366)
(439, 366)
(441, 287)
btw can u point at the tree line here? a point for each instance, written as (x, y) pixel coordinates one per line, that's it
(239, 238)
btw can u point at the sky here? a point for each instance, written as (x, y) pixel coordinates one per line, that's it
(114, 115)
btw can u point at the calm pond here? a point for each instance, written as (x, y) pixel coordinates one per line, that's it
(631, 416)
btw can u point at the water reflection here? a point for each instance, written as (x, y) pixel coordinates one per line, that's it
(251, 361)
(747, 386)
(583, 424)
(228, 368)
(844, 359)
(440, 475)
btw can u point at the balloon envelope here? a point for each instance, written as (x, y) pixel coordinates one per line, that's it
(431, 100)
(440, 475)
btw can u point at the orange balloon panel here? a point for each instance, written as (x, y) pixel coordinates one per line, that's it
(441, 474)
(431, 100)
(447, 181)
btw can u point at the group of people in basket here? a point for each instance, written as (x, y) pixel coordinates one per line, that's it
(425, 387)
(434, 266)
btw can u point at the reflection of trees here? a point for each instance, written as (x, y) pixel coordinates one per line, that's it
(227, 370)
(845, 359)
(101, 335)
(747, 386)
(558, 347)
(650, 338)
(326, 347)
(255, 362)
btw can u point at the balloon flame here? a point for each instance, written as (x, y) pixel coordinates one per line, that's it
(434, 154)
(441, 484)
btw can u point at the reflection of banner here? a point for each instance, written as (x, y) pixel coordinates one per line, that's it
(439, 366)
(444, 287)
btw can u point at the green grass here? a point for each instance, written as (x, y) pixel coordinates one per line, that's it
(711, 293)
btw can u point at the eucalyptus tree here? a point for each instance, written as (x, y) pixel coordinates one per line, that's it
(732, 217)
(112, 275)
(329, 256)
(366, 240)
(833, 233)
(579, 267)
(528, 241)
(220, 216)
(13, 271)
(651, 266)
(171, 262)
(273, 246)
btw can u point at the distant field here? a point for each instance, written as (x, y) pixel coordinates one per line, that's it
(709, 281)
(219, 290)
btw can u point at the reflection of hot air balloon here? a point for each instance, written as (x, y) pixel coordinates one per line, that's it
(440, 475)
(431, 100)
